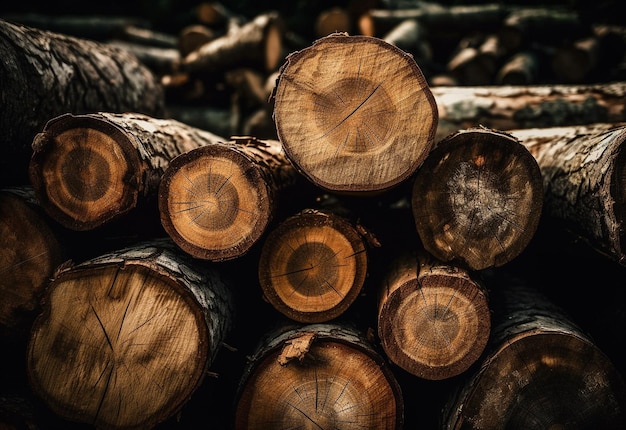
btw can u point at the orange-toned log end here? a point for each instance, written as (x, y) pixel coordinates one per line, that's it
(29, 253)
(313, 266)
(334, 385)
(435, 329)
(214, 202)
(85, 171)
(354, 113)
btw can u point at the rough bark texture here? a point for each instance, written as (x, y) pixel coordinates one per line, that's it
(477, 199)
(217, 200)
(320, 375)
(433, 318)
(528, 106)
(30, 250)
(256, 44)
(127, 337)
(45, 74)
(371, 116)
(88, 170)
(313, 266)
(584, 174)
(540, 371)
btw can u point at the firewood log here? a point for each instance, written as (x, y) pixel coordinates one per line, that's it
(370, 116)
(528, 106)
(313, 265)
(217, 200)
(540, 370)
(321, 375)
(88, 170)
(31, 248)
(47, 74)
(433, 318)
(256, 44)
(127, 337)
(583, 175)
(477, 199)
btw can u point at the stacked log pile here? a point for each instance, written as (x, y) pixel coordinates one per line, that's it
(350, 215)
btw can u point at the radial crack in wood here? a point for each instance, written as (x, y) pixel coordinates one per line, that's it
(340, 382)
(433, 318)
(313, 266)
(370, 117)
(89, 170)
(216, 201)
(127, 337)
(477, 199)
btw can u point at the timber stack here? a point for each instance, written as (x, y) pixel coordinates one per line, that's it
(357, 216)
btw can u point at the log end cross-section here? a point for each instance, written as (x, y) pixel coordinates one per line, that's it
(433, 321)
(312, 266)
(354, 113)
(85, 171)
(216, 200)
(477, 199)
(123, 342)
(333, 379)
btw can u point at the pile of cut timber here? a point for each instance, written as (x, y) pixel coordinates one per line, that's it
(372, 223)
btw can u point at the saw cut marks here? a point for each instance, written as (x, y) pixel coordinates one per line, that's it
(370, 116)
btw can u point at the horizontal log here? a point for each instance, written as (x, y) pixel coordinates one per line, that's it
(327, 375)
(528, 106)
(477, 199)
(433, 318)
(88, 170)
(313, 265)
(138, 330)
(583, 175)
(47, 74)
(333, 143)
(536, 370)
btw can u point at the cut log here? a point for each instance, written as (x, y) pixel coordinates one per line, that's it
(531, 106)
(433, 318)
(319, 375)
(256, 44)
(31, 248)
(88, 170)
(371, 117)
(217, 200)
(438, 18)
(46, 74)
(526, 26)
(477, 199)
(313, 266)
(126, 338)
(583, 175)
(541, 371)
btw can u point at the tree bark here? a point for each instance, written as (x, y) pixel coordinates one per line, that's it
(528, 106)
(126, 338)
(256, 44)
(583, 175)
(540, 370)
(313, 266)
(433, 318)
(371, 117)
(45, 74)
(88, 170)
(30, 250)
(477, 199)
(217, 200)
(324, 375)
